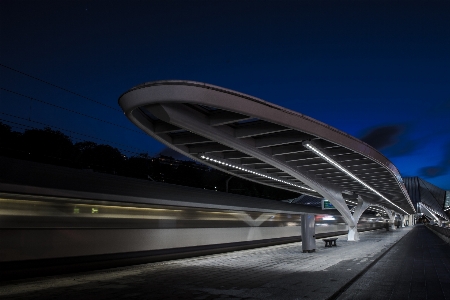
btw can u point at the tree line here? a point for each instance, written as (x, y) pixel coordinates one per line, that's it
(54, 147)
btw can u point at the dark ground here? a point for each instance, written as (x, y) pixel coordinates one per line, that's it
(417, 267)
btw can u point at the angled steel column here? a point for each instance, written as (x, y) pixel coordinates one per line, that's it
(194, 121)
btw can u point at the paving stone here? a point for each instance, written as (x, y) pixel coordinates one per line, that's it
(276, 272)
(415, 268)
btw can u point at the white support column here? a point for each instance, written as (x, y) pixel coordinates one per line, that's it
(308, 233)
(403, 220)
(353, 234)
(391, 217)
(408, 220)
(392, 220)
(194, 121)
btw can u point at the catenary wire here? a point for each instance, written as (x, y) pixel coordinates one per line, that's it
(22, 126)
(67, 130)
(59, 87)
(67, 109)
(197, 166)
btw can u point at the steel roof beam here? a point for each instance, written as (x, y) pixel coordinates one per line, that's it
(299, 156)
(225, 117)
(235, 155)
(283, 138)
(287, 149)
(189, 138)
(263, 166)
(207, 148)
(163, 127)
(196, 122)
(257, 128)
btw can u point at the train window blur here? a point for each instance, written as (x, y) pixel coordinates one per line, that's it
(28, 211)
(38, 211)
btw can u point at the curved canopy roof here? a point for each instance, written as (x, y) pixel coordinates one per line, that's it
(262, 142)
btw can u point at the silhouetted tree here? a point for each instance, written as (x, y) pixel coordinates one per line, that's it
(139, 166)
(8, 141)
(103, 158)
(54, 147)
(48, 146)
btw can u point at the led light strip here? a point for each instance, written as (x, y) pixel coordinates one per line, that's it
(253, 172)
(429, 208)
(447, 209)
(334, 163)
(430, 211)
(372, 209)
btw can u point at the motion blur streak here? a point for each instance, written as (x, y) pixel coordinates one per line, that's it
(38, 227)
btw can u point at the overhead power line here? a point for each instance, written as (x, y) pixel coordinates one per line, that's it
(23, 126)
(197, 166)
(70, 110)
(16, 125)
(67, 130)
(59, 87)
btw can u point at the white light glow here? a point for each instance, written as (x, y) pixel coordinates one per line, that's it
(337, 165)
(430, 211)
(433, 212)
(352, 202)
(253, 172)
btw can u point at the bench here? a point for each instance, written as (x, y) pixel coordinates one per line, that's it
(330, 242)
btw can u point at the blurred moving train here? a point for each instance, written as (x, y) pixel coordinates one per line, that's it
(42, 232)
(56, 219)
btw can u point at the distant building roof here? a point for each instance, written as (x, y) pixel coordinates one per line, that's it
(421, 190)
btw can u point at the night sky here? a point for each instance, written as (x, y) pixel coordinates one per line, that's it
(377, 70)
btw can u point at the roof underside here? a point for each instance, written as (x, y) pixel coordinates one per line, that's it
(282, 142)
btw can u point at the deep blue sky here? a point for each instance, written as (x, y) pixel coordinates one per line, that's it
(377, 70)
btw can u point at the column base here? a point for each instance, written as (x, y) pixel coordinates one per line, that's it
(353, 235)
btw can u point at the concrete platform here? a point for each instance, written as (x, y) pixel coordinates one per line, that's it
(276, 272)
(417, 267)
